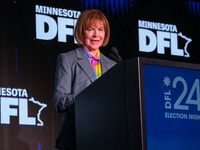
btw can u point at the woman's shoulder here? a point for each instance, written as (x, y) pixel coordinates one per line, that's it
(107, 59)
(70, 54)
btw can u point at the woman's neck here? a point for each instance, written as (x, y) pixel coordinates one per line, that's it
(92, 52)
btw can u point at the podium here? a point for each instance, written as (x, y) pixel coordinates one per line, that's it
(104, 117)
(136, 106)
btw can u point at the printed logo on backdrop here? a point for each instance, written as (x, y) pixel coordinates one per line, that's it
(52, 22)
(161, 37)
(14, 102)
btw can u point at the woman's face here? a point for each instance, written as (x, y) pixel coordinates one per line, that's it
(94, 36)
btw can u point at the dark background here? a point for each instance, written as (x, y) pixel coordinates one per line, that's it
(29, 63)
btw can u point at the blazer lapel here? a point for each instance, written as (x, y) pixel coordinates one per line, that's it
(84, 64)
(104, 65)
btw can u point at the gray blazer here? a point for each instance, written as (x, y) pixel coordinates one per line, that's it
(73, 74)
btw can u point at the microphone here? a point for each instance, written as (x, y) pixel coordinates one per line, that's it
(115, 55)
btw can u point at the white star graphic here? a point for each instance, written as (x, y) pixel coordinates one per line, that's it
(166, 81)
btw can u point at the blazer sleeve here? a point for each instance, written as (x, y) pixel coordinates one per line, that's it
(63, 84)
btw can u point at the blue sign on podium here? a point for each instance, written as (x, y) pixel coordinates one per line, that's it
(172, 107)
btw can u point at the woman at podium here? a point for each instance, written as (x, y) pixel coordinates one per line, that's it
(77, 69)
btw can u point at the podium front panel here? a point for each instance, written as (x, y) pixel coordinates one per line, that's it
(101, 113)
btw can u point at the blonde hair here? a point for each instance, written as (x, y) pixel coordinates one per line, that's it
(88, 18)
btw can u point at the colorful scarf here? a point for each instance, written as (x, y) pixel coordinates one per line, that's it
(95, 62)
